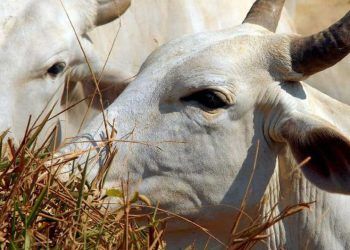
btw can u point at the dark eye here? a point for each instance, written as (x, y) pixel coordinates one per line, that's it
(56, 69)
(207, 98)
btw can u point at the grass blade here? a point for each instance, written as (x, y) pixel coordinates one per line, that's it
(27, 240)
(81, 187)
(37, 206)
(40, 127)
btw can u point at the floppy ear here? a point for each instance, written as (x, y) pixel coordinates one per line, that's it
(109, 10)
(329, 149)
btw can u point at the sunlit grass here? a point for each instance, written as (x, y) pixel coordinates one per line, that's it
(38, 210)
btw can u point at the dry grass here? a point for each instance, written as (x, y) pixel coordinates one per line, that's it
(37, 210)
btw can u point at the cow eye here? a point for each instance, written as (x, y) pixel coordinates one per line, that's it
(207, 98)
(56, 69)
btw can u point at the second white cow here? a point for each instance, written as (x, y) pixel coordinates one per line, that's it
(39, 49)
(199, 107)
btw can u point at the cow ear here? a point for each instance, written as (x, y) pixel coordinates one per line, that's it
(329, 150)
(82, 83)
(109, 10)
(111, 84)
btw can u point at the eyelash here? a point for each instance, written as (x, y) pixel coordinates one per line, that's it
(56, 69)
(206, 98)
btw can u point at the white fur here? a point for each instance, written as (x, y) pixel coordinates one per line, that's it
(198, 163)
(34, 35)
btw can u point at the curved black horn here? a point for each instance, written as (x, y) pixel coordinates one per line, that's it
(265, 13)
(317, 52)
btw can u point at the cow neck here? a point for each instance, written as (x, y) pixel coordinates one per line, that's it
(322, 226)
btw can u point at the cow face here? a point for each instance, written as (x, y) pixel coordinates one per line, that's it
(194, 115)
(202, 110)
(41, 48)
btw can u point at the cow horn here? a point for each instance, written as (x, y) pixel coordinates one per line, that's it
(317, 52)
(265, 13)
(109, 10)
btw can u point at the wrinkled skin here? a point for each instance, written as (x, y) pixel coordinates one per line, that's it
(196, 161)
(38, 50)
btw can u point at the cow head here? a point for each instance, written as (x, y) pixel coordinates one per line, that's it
(188, 126)
(40, 48)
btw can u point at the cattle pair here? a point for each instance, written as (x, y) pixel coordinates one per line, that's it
(203, 106)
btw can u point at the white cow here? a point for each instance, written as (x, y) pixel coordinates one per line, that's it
(39, 48)
(28, 29)
(197, 110)
(149, 24)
